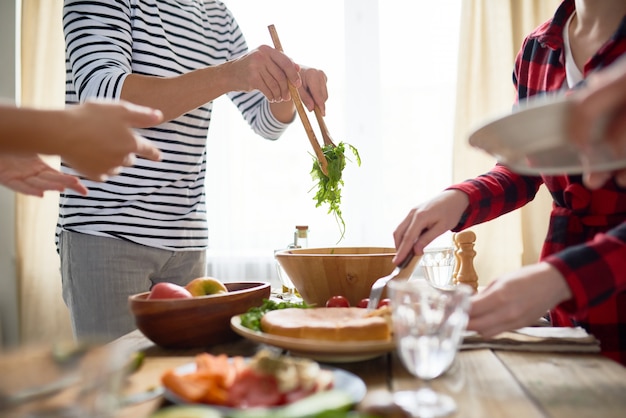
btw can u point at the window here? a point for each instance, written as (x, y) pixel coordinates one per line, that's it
(391, 70)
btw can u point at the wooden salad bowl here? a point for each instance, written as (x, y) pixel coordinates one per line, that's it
(319, 273)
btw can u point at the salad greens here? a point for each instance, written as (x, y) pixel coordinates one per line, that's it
(252, 318)
(329, 186)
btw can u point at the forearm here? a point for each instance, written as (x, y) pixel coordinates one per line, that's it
(24, 130)
(175, 96)
(583, 265)
(495, 193)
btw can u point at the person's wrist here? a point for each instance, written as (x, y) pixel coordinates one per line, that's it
(555, 284)
(70, 127)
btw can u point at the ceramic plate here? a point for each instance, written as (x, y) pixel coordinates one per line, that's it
(343, 381)
(532, 140)
(324, 351)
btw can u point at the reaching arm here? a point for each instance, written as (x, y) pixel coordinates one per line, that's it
(99, 42)
(96, 138)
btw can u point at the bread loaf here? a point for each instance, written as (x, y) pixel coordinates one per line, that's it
(327, 324)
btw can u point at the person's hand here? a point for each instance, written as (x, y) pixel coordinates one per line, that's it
(427, 221)
(101, 139)
(29, 174)
(313, 91)
(265, 69)
(602, 98)
(517, 299)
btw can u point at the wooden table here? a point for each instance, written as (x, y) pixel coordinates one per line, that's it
(484, 383)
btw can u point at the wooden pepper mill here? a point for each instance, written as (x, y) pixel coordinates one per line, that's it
(457, 259)
(465, 272)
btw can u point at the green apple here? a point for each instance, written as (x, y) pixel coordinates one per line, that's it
(205, 286)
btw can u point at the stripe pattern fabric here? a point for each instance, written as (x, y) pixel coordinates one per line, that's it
(158, 204)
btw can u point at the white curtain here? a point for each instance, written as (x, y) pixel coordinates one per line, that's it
(43, 315)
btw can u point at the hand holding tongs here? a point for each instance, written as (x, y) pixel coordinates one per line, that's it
(297, 101)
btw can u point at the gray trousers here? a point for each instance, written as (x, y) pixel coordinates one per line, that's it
(100, 273)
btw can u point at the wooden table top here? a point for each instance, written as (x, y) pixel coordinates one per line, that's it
(483, 382)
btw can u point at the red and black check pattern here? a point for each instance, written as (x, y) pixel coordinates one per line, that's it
(586, 239)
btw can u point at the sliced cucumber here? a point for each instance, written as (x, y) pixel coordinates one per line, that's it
(186, 411)
(310, 407)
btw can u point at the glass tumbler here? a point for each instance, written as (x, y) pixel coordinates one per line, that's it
(438, 264)
(428, 325)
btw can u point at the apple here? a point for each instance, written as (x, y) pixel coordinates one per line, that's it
(202, 286)
(165, 290)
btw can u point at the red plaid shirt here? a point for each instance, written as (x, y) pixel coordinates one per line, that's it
(586, 239)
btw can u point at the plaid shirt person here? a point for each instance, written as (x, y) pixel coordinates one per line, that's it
(586, 239)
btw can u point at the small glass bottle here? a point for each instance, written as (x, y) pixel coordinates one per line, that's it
(301, 236)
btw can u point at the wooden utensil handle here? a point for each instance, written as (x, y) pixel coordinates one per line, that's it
(320, 121)
(297, 101)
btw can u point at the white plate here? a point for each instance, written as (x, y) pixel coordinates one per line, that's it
(532, 140)
(344, 381)
(324, 351)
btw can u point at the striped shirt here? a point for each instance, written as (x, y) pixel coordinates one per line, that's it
(586, 239)
(158, 204)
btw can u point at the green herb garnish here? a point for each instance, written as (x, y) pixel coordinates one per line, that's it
(329, 186)
(252, 318)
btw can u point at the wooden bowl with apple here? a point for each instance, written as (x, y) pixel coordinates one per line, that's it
(171, 318)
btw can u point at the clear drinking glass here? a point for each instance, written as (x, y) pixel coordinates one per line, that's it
(438, 264)
(428, 325)
(65, 379)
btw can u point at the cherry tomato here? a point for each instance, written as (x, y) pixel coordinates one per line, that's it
(338, 302)
(384, 302)
(363, 303)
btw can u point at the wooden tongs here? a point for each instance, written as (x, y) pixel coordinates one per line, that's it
(297, 101)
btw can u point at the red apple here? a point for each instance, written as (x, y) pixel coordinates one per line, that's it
(165, 290)
(205, 286)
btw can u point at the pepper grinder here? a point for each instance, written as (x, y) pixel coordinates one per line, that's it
(466, 274)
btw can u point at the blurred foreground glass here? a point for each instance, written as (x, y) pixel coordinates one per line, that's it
(288, 290)
(438, 264)
(428, 325)
(62, 380)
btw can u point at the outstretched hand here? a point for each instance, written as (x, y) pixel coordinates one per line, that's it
(102, 140)
(30, 175)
